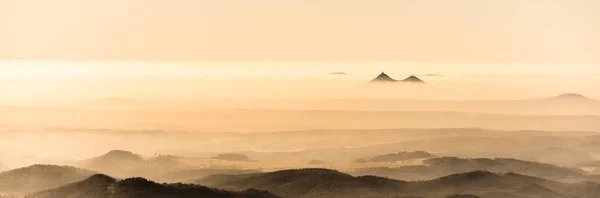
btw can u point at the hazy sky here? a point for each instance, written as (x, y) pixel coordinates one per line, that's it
(303, 30)
(484, 49)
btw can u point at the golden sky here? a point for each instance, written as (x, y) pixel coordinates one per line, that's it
(59, 50)
(549, 31)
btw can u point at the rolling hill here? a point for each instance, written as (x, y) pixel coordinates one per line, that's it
(102, 186)
(127, 164)
(117, 162)
(39, 177)
(437, 167)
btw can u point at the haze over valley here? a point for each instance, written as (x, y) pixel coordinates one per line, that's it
(327, 144)
(299, 99)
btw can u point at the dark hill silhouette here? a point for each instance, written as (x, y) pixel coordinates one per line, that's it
(102, 186)
(400, 156)
(118, 162)
(233, 157)
(40, 177)
(383, 78)
(329, 183)
(300, 183)
(413, 79)
(437, 167)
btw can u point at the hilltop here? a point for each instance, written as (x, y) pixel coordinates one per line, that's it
(413, 79)
(383, 77)
(117, 162)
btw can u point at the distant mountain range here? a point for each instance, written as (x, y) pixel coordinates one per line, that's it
(383, 77)
(317, 183)
(563, 104)
(438, 167)
(436, 178)
(303, 183)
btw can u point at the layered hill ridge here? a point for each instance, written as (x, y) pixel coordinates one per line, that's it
(330, 183)
(438, 167)
(102, 186)
(40, 177)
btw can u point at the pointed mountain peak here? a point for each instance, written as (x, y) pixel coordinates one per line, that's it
(383, 78)
(413, 79)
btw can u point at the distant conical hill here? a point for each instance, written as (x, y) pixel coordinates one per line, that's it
(383, 78)
(413, 79)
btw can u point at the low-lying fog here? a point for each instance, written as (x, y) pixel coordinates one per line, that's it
(192, 128)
